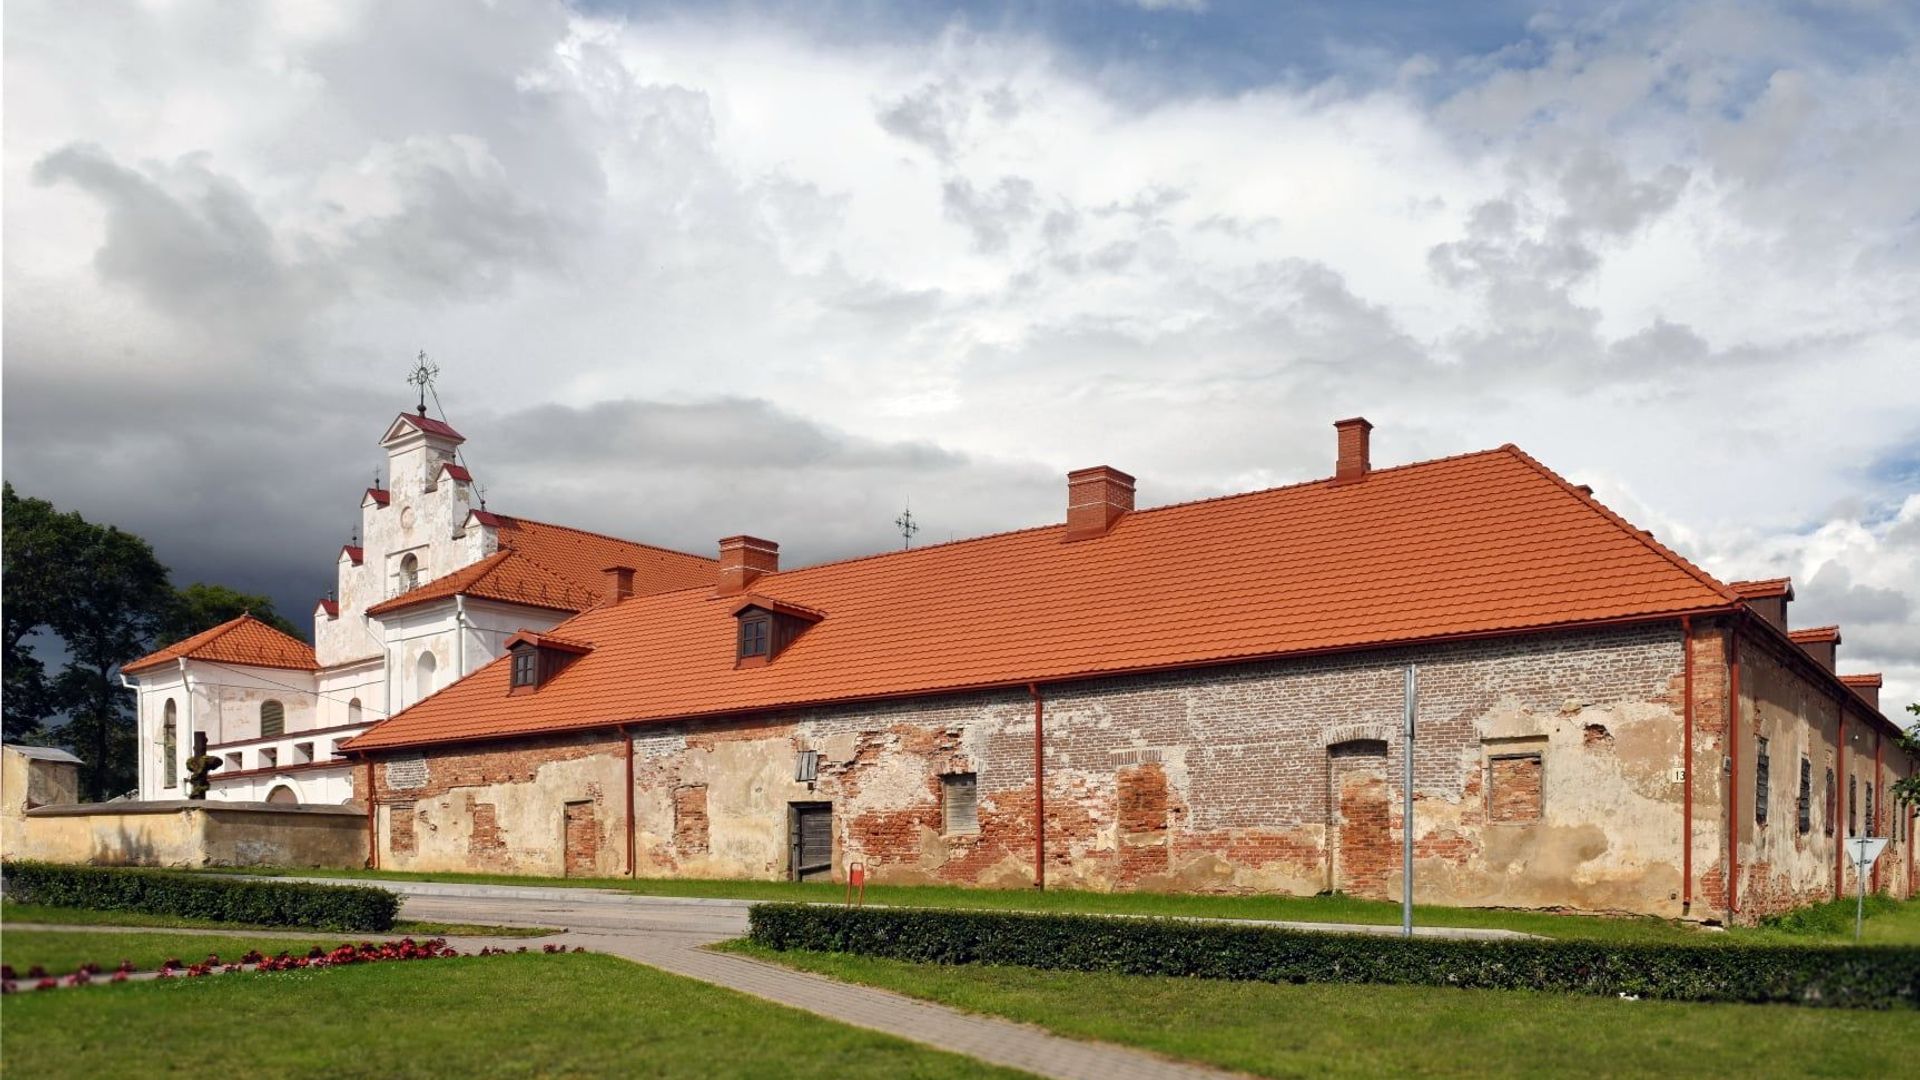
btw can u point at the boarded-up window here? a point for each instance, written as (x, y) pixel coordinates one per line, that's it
(959, 801)
(400, 829)
(1513, 788)
(806, 766)
(273, 719)
(1805, 803)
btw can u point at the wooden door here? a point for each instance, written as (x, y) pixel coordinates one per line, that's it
(810, 837)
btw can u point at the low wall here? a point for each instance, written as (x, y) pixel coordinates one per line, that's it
(183, 833)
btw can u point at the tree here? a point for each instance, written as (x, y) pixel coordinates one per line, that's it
(201, 606)
(114, 604)
(38, 547)
(1906, 792)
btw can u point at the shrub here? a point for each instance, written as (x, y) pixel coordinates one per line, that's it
(172, 892)
(1849, 977)
(1830, 916)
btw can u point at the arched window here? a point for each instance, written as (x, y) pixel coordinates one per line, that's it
(409, 572)
(353, 711)
(423, 676)
(282, 795)
(273, 719)
(170, 746)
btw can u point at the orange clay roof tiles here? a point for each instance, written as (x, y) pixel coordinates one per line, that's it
(244, 640)
(552, 566)
(1483, 543)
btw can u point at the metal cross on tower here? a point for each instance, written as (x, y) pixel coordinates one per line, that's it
(422, 376)
(907, 526)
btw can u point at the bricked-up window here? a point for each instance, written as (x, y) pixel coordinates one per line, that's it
(754, 634)
(526, 666)
(400, 829)
(1762, 774)
(1805, 804)
(1826, 822)
(959, 802)
(1514, 789)
(273, 719)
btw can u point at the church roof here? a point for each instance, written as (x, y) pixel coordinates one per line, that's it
(556, 567)
(422, 422)
(244, 640)
(1483, 544)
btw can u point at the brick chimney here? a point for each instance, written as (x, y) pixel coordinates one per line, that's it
(1355, 439)
(743, 559)
(619, 584)
(1096, 498)
(1867, 686)
(1819, 642)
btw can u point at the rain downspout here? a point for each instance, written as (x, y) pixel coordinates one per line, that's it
(186, 688)
(1686, 759)
(140, 742)
(459, 636)
(1733, 771)
(632, 870)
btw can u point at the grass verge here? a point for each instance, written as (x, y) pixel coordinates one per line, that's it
(515, 1016)
(1285, 908)
(29, 914)
(1364, 1031)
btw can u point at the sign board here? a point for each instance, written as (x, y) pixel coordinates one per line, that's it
(407, 773)
(1863, 850)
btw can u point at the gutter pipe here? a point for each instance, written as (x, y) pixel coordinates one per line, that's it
(1686, 758)
(1039, 788)
(459, 636)
(632, 869)
(1733, 772)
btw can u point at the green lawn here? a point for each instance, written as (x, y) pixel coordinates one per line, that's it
(513, 1016)
(12, 913)
(1367, 1031)
(63, 951)
(1300, 908)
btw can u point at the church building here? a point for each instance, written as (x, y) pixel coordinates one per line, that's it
(430, 589)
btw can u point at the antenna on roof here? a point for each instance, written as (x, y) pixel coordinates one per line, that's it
(422, 376)
(906, 525)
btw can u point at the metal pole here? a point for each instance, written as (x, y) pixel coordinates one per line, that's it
(1860, 905)
(1406, 819)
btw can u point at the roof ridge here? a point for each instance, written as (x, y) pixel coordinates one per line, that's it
(1682, 562)
(1130, 514)
(517, 519)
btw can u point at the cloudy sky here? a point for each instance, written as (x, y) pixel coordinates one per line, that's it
(692, 270)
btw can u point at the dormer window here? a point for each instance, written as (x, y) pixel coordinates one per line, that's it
(767, 628)
(536, 659)
(526, 666)
(755, 632)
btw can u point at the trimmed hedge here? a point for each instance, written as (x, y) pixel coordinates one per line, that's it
(202, 896)
(1860, 978)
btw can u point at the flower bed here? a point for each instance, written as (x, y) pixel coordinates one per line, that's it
(365, 952)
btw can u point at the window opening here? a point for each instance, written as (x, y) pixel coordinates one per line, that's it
(1762, 772)
(273, 719)
(170, 747)
(806, 766)
(409, 572)
(1804, 805)
(526, 667)
(959, 797)
(1826, 821)
(753, 636)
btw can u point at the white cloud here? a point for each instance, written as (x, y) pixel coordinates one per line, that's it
(1674, 255)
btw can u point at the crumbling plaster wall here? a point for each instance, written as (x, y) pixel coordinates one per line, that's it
(1212, 780)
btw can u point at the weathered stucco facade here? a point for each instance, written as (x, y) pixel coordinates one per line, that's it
(1549, 773)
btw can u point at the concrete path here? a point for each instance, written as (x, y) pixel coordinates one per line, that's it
(669, 933)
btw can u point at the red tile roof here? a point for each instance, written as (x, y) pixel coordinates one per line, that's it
(331, 607)
(378, 495)
(244, 640)
(355, 555)
(555, 567)
(1763, 590)
(1815, 635)
(431, 426)
(1871, 682)
(458, 472)
(1483, 543)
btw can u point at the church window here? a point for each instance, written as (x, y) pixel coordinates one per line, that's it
(354, 711)
(273, 719)
(423, 676)
(169, 747)
(409, 572)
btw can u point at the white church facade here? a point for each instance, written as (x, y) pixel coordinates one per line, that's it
(432, 591)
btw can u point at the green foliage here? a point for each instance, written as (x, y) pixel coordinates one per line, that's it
(36, 546)
(202, 896)
(1840, 976)
(1831, 917)
(201, 606)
